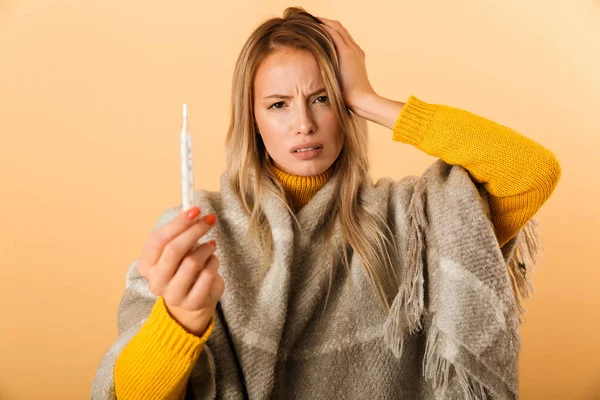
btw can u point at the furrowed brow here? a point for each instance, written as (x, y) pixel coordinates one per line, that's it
(283, 96)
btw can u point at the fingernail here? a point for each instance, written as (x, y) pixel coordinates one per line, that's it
(193, 212)
(213, 242)
(210, 219)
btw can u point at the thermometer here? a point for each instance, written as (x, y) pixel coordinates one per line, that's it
(187, 168)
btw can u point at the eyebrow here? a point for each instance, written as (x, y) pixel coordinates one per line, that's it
(282, 96)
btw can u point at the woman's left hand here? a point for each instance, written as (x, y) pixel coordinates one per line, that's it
(356, 87)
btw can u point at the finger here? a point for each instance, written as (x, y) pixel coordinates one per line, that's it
(333, 31)
(348, 39)
(187, 274)
(341, 29)
(337, 38)
(207, 288)
(159, 239)
(176, 249)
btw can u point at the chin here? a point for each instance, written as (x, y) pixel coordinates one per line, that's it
(305, 168)
(311, 169)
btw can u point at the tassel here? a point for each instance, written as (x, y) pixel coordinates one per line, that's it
(406, 312)
(438, 369)
(521, 263)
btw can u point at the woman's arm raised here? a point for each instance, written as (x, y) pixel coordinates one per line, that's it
(518, 173)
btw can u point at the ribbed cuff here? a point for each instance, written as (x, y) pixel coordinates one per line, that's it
(413, 121)
(158, 360)
(160, 325)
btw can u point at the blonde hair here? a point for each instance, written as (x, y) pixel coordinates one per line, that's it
(249, 166)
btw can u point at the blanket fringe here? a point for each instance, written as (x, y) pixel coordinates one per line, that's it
(437, 369)
(521, 263)
(406, 312)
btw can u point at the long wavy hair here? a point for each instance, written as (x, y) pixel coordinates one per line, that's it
(363, 231)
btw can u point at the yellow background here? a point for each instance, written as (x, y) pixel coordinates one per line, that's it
(90, 112)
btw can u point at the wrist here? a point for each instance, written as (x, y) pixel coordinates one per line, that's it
(378, 109)
(195, 322)
(363, 105)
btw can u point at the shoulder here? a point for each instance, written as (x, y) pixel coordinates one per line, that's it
(208, 201)
(440, 183)
(448, 191)
(389, 190)
(438, 176)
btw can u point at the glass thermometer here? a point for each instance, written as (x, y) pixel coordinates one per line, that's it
(187, 168)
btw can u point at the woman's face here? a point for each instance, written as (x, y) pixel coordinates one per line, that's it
(292, 112)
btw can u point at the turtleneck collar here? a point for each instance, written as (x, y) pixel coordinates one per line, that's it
(300, 189)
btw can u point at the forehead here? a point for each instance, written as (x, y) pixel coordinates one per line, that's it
(285, 69)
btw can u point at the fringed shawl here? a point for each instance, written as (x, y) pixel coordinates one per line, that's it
(451, 332)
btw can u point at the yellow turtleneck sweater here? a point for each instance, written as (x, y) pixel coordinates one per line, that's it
(300, 189)
(518, 173)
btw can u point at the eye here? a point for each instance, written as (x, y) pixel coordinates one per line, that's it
(275, 105)
(323, 99)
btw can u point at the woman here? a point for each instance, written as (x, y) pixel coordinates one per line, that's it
(312, 281)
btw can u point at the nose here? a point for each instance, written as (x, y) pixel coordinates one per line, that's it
(305, 123)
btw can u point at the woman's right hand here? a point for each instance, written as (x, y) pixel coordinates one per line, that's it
(183, 271)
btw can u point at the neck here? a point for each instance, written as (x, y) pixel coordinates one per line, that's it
(301, 189)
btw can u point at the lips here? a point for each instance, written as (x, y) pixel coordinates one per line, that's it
(306, 145)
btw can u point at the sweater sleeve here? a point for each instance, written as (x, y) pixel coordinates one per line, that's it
(518, 173)
(158, 360)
